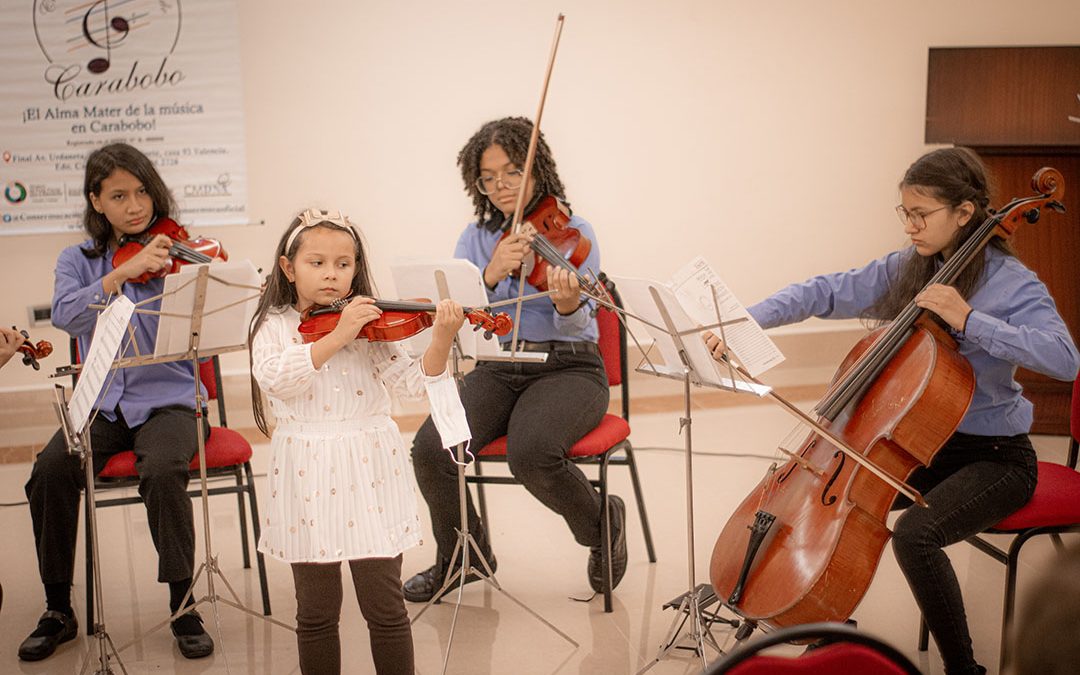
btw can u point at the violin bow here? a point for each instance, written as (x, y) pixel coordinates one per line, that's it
(530, 156)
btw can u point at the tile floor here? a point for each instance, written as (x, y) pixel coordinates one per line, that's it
(539, 563)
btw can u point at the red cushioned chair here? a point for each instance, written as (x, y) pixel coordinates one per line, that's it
(606, 445)
(848, 651)
(228, 455)
(1054, 509)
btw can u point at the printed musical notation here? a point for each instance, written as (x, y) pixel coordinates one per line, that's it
(703, 294)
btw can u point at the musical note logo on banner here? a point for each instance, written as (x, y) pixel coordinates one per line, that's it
(81, 40)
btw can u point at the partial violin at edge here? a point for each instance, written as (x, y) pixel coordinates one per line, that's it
(31, 352)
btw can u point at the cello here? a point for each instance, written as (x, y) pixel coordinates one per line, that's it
(805, 543)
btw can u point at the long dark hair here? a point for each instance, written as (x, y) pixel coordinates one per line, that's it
(280, 294)
(952, 176)
(512, 135)
(100, 165)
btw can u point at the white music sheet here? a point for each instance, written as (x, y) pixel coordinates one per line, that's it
(232, 294)
(694, 284)
(109, 332)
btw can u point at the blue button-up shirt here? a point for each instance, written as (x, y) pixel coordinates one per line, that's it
(539, 320)
(1013, 322)
(137, 391)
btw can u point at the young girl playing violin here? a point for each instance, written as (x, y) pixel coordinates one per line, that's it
(340, 484)
(542, 408)
(148, 409)
(1002, 317)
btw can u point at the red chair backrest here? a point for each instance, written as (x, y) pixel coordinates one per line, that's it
(610, 344)
(207, 375)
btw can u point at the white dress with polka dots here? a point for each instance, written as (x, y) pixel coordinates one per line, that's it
(340, 477)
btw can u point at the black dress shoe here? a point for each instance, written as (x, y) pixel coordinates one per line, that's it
(423, 586)
(192, 639)
(618, 547)
(53, 629)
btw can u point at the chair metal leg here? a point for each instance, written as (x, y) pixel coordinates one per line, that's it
(924, 633)
(243, 517)
(1011, 570)
(89, 566)
(640, 502)
(260, 561)
(481, 499)
(605, 511)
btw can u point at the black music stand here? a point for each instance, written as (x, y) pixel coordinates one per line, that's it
(75, 425)
(689, 361)
(461, 279)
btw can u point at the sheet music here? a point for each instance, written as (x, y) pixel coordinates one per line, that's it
(693, 285)
(645, 299)
(109, 332)
(232, 294)
(415, 278)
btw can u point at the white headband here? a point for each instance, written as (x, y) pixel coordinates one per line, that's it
(313, 217)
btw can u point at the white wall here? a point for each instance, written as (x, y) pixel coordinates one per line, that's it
(767, 135)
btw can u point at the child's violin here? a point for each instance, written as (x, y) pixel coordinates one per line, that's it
(31, 352)
(399, 320)
(184, 250)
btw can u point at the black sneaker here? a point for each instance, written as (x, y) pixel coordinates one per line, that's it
(618, 547)
(53, 629)
(422, 586)
(191, 638)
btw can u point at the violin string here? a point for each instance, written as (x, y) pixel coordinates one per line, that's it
(866, 367)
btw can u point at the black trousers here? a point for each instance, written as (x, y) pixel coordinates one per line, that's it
(543, 409)
(164, 446)
(377, 582)
(973, 482)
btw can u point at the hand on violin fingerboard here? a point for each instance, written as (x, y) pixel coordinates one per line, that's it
(565, 290)
(506, 258)
(449, 317)
(10, 339)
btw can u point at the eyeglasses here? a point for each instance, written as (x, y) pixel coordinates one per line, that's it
(489, 184)
(916, 218)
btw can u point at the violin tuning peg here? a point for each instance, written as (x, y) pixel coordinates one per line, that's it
(476, 327)
(488, 334)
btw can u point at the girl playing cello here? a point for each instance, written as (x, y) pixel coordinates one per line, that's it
(1002, 317)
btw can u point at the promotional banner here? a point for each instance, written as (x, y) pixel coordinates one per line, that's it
(162, 75)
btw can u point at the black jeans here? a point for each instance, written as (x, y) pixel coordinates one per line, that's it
(377, 582)
(973, 482)
(543, 409)
(164, 446)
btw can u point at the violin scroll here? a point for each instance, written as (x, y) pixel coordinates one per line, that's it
(31, 352)
(1050, 185)
(1048, 181)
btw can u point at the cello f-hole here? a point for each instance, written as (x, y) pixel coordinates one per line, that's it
(826, 498)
